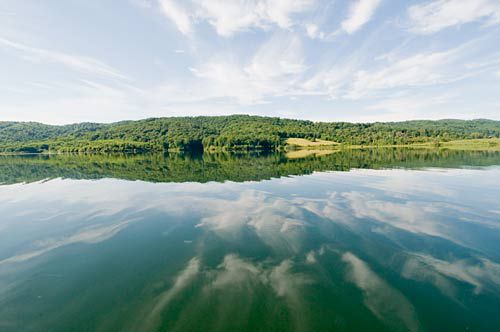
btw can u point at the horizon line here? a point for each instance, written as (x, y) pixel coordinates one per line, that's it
(242, 114)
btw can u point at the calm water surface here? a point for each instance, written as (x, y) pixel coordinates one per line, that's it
(362, 241)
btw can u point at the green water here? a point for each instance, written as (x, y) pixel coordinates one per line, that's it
(368, 240)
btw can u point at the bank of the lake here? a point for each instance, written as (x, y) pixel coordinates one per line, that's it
(491, 144)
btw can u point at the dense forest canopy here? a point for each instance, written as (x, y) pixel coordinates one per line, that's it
(228, 133)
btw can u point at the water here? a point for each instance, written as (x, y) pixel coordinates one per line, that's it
(374, 240)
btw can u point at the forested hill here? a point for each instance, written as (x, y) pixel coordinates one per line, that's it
(228, 132)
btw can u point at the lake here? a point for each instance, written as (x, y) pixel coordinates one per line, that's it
(356, 240)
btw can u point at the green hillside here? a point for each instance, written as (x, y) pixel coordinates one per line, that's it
(228, 133)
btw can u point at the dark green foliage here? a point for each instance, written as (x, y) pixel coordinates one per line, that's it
(227, 133)
(32, 131)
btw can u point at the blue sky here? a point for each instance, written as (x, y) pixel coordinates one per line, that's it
(360, 60)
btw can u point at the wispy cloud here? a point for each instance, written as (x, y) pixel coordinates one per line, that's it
(359, 78)
(183, 279)
(294, 58)
(232, 16)
(90, 236)
(481, 273)
(235, 271)
(416, 70)
(80, 63)
(386, 302)
(229, 17)
(178, 14)
(313, 31)
(433, 16)
(272, 71)
(360, 13)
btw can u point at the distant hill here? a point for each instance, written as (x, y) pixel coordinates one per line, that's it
(229, 132)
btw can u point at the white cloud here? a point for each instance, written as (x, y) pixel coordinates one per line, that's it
(311, 257)
(286, 283)
(177, 14)
(352, 79)
(277, 65)
(280, 11)
(231, 16)
(481, 273)
(333, 81)
(277, 222)
(313, 31)
(411, 216)
(416, 70)
(226, 84)
(409, 211)
(238, 272)
(360, 13)
(280, 56)
(89, 236)
(415, 269)
(434, 16)
(386, 302)
(273, 71)
(182, 280)
(80, 63)
(235, 271)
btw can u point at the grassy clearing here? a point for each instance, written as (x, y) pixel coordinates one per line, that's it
(302, 142)
(303, 153)
(490, 144)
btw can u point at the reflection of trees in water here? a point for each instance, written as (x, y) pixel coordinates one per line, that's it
(225, 166)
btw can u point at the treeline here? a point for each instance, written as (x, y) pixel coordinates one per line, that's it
(187, 167)
(228, 133)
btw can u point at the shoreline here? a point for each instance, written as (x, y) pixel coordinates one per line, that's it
(489, 144)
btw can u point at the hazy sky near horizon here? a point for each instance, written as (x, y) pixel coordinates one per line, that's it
(360, 60)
